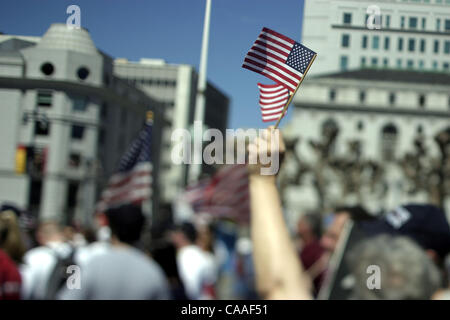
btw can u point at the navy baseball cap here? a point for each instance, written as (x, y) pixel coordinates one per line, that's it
(426, 224)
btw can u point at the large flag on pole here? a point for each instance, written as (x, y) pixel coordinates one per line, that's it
(224, 195)
(279, 58)
(272, 99)
(133, 181)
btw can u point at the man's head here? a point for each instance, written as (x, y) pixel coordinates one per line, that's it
(49, 231)
(126, 223)
(183, 235)
(309, 227)
(341, 215)
(403, 269)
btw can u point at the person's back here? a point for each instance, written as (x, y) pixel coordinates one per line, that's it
(122, 271)
(118, 274)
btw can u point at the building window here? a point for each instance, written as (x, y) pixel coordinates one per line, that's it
(83, 73)
(435, 65)
(399, 63)
(79, 104)
(411, 45)
(385, 62)
(344, 62)
(364, 42)
(332, 94)
(388, 21)
(436, 46)
(360, 126)
(375, 42)
(400, 44)
(410, 64)
(389, 136)
(422, 101)
(445, 66)
(424, 23)
(447, 47)
(447, 25)
(47, 68)
(402, 22)
(386, 43)
(41, 127)
(104, 110)
(374, 62)
(438, 24)
(362, 96)
(421, 64)
(422, 45)
(347, 18)
(77, 132)
(44, 98)
(363, 61)
(74, 160)
(391, 98)
(412, 22)
(345, 40)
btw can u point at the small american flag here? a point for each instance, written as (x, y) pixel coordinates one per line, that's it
(272, 99)
(224, 195)
(133, 181)
(279, 58)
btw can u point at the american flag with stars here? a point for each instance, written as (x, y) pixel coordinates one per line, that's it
(132, 183)
(279, 58)
(272, 99)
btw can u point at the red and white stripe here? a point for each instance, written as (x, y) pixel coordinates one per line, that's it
(272, 99)
(130, 187)
(268, 57)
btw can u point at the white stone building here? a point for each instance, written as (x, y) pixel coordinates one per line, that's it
(60, 101)
(413, 34)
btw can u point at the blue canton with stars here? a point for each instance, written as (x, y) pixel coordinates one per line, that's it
(300, 57)
(140, 150)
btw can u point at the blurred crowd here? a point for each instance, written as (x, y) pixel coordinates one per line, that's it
(347, 254)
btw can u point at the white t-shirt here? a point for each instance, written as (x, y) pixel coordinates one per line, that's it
(196, 268)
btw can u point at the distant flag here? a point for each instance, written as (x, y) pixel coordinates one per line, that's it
(224, 195)
(279, 58)
(272, 99)
(132, 184)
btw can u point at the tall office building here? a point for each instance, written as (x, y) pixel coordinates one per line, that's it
(175, 87)
(65, 122)
(381, 89)
(409, 34)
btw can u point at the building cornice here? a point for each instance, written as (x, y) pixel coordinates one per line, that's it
(345, 108)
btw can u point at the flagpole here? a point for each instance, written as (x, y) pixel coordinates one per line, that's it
(196, 166)
(292, 96)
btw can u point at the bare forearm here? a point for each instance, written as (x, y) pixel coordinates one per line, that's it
(278, 270)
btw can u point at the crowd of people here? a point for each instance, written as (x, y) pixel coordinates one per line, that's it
(349, 254)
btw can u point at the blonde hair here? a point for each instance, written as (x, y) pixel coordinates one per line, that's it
(12, 243)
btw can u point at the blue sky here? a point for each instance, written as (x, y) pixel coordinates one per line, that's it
(172, 30)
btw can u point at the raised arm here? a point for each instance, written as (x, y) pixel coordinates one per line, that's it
(279, 274)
